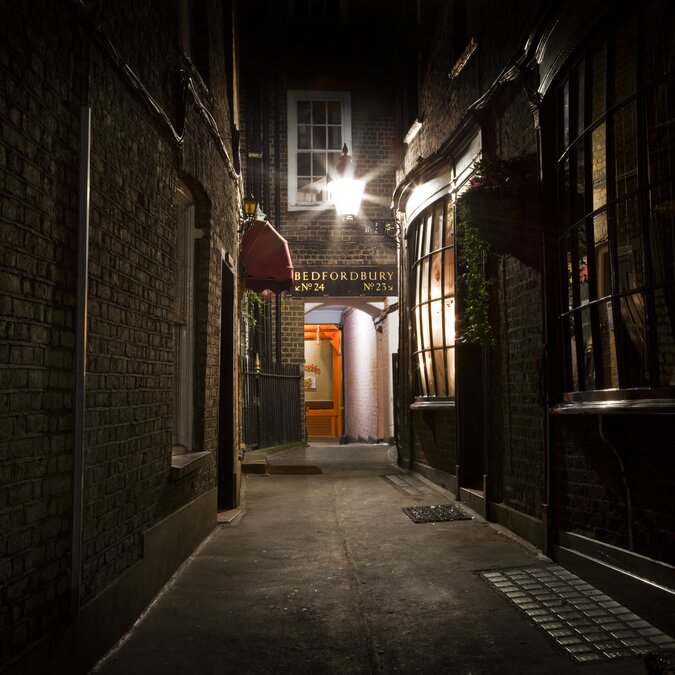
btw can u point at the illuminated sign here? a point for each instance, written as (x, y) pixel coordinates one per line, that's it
(380, 281)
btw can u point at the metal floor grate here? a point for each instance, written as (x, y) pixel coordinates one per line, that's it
(583, 621)
(435, 514)
(410, 485)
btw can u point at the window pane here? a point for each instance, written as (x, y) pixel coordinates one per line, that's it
(634, 345)
(449, 320)
(436, 308)
(449, 272)
(569, 336)
(629, 246)
(304, 138)
(580, 99)
(420, 238)
(306, 193)
(579, 203)
(436, 290)
(318, 165)
(334, 112)
(625, 61)
(437, 228)
(566, 253)
(304, 164)
(422, 377)
(601, 242)
(318, 112)
(599, 166)
(304, 112)
(659, 38)
(625, 150)
(335, 138)
(566, 115)
(587, 344)
(450, 369)
(426, 332)
(598, 84)
(424, 280)
(664, 301)
(581, 267)
(450, 224)
(428, 230)
(319, 138)
(610, 373)
(440, 375)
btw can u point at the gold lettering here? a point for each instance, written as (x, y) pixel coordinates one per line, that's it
(353, 276)
(343, 276)
(296, 276)
(333, 276)
(315, 276)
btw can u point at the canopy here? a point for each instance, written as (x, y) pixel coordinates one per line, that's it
(266, 259)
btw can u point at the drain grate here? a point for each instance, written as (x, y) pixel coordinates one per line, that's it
(410, 485)
(435, 514)
(583, 621)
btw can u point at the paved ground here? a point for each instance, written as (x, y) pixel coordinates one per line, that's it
(324, 573)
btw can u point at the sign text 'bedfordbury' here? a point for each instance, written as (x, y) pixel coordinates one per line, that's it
(379, 281)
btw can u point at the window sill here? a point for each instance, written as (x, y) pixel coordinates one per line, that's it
(431, 404)
(185, 463)
(661, 401)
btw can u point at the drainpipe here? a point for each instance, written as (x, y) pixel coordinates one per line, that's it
(80, 354)
(624, 479)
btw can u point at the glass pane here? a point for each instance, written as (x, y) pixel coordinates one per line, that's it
(634, 344)
(426, 332)
(429, 369)
(598, 84)
(564, 200)
(572, 369)
(599, 166)
(579, 193)
(566, 115)
(625, 150)
(305, 192)
(566, 253)
(449, 233)
(602, 264)
(436, 290)
(587, 346)
(335, 138)
(437, 228)
(420, 237)
(449, 321)
(449, 272)
(304, 138)
(427, 234)
(581, 98)
(304, 164)
(437, 323)
(664, 301)
(318, 165)
(450, 369)
(610, 373)
(439, 375)
(581, 268)
(418, 328)
(304, 112)
(660, 35)
(424, 280)
(318, 112)
(629, 246)
(319, 138)
(422, 378)
(625, 61)
(334, 112)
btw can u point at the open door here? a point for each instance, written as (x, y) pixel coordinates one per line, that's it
(323, 380)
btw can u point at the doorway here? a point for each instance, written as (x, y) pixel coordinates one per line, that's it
(323, 381)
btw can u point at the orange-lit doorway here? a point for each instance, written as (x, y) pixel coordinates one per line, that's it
(323, 381)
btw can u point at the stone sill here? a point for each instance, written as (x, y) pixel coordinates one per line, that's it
(185, 463)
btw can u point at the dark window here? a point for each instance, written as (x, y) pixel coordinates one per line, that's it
(616, 143)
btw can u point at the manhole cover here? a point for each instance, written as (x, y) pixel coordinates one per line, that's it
(435, 514)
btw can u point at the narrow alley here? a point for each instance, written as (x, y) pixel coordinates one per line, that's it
(323, 572)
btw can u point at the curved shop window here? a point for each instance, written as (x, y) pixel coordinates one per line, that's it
(614, 168)
(432, 241)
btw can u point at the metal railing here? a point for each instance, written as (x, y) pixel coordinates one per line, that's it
(272, 412)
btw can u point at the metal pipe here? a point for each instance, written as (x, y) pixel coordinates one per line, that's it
(80, 354)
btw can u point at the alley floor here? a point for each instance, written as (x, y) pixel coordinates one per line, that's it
(323, 572)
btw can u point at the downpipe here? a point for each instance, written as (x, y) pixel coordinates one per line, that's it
(80, 355)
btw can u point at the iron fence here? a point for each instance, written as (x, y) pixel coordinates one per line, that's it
(272, 412)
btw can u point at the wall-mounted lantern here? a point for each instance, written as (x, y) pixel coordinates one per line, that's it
(345, 191)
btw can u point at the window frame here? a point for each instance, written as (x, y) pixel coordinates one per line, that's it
(588, 377)
(293, 97)
(421, 238)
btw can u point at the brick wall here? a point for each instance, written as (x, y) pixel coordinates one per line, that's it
(135, 163)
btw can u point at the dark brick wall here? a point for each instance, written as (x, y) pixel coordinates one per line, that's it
(135, 165)
(435, 442)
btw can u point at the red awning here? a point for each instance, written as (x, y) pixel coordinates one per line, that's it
(266, 259)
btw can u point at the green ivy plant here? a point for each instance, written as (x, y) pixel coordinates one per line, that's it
(476, 326)
(251, 302)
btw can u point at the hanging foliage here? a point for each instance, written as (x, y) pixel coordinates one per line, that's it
(251, 303)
